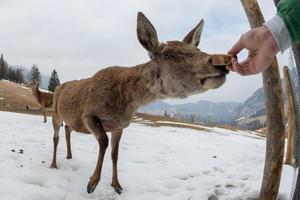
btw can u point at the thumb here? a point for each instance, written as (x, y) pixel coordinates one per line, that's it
(237, 47)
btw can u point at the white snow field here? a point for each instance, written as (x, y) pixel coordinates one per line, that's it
(155, 163)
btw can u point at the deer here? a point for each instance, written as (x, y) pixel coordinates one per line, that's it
(107, 101)
(44, 99)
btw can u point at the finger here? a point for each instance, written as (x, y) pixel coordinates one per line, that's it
(240, 69)
(249, 66)
(237, 47)
(251, 53)
(245, 62)
(245, 72)
(236, 66)
(230, 65)
(252, 66)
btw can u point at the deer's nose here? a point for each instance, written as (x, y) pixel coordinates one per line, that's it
(210, 60)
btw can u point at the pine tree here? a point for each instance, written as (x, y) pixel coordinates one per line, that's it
(19, 75)
(54, 81)
(35, 74)
(3, 68)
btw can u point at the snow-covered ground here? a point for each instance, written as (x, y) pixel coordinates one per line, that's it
(162, 163)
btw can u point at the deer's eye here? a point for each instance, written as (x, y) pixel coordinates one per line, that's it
(166, 55)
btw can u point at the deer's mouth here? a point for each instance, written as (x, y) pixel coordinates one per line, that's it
(213, 82)
(212, 78)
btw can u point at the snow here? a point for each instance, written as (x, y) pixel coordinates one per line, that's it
(26, 88)
(43, 90)
(181, 123)
(210, 129)
(239, 119)
(288, 177)
(164, 163)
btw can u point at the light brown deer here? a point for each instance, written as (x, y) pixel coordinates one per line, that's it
(107, 101)
(45, 99)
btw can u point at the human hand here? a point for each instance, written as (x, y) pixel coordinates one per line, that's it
(262, 48)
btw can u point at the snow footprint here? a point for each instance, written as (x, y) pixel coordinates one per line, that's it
(34, 180)
(173, 185)
(213, 197)
(139, 161)
(187, 176)
(75, 167)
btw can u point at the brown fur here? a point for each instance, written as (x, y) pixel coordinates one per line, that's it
(106, 102)
(45, 99)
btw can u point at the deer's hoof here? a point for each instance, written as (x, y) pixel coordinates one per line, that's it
(92, 184)
(117, 188)
(53, 166)
(69, 157)
(90, 189)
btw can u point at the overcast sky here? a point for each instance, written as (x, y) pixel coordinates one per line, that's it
(80, 37)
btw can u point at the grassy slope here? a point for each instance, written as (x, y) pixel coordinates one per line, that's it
(16, 97)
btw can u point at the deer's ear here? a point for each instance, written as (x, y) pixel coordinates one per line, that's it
(146, 33)
(193, 37)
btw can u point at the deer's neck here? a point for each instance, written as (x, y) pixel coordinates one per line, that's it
(36, 92)
(147, 80)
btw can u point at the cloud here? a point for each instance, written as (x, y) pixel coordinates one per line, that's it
(79, 38)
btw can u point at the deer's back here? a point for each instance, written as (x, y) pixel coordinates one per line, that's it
(102, 95)
(47, 99)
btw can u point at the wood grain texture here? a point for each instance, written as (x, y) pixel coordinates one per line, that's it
(296, 195)
(291, 131)
(296, 51)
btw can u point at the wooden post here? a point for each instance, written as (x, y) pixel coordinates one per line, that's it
(296, 51)
(291, 117)
(296, 195)
(274, 109)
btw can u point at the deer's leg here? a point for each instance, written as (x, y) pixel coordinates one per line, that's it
(95, 126)
(56, 126)
(115, 139)
(68, 140)
(45, 114)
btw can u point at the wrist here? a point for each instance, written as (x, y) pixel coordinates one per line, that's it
(279, 32)
(269, 39)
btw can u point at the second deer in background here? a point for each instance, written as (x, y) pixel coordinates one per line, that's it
(45, 99)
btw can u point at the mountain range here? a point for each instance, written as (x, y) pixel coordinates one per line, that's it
(219, 112)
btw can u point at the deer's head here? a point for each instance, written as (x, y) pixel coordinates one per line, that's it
(183, 68)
